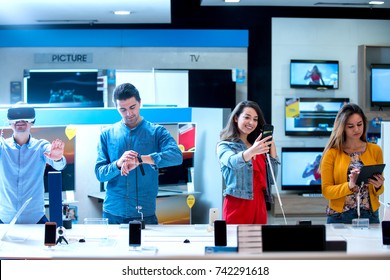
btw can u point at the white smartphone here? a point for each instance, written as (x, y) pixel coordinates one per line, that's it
(213, 215)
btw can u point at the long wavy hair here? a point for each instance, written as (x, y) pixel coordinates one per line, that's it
(231, 132)
(338, 137)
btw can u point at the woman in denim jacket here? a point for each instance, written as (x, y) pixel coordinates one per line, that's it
(244, 166)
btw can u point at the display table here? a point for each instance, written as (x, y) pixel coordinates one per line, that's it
(171, 241)
(171, 204)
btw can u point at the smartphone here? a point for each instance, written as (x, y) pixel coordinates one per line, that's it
(268, 129)
(220, 238)
(213, 215)
(386, 232)
(135, 233)
(50, 233)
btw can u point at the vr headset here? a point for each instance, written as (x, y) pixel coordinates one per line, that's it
(16, 114)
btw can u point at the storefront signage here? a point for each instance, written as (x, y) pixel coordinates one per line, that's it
(58, 58)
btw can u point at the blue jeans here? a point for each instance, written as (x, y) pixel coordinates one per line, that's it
(151, 220)
(347, 216)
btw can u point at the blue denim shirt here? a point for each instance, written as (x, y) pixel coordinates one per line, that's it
(21, 177)
(122, 192)
(238, 174)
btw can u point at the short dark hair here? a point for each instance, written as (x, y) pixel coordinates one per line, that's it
(125, 91)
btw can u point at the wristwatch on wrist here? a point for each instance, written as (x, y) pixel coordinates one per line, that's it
(139, 158)
(140, 164)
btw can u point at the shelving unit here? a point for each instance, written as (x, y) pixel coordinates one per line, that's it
(368, 55)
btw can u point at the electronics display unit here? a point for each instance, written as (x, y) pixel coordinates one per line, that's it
(299, 169)
(311, 116)
(314, 74)
(66, 88)
(185, 134)
(50, 133)
(380, 85)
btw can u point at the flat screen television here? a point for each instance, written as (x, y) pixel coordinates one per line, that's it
(311, 116)
(314, 74)
(380, 85)
(67, 88)
(299, 169)
(50, 133)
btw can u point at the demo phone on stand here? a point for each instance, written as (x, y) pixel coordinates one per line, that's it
(386, 232)
(135, 233)
(213, 215)
(220, 234)
(50, 233)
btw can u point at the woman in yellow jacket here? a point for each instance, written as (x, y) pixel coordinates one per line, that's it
(345, 153)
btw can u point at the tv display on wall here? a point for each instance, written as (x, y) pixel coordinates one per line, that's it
(380, 85)
(67, 88)
(314, 74)
(311, 116)
(50, 133)
(299, 169)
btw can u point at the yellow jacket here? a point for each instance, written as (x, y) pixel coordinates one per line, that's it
(334, 178)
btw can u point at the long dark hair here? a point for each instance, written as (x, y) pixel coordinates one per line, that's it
(231, 133)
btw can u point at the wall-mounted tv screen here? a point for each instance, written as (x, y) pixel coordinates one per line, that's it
(314, 74)
(299, 169)
(311, 116)
(68, 88)
(50, 133)
(380, 85)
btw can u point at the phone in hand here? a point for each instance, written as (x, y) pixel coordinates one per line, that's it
(268, 130)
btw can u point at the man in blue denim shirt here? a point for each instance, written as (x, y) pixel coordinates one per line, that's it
(129, 155)
(23, 161)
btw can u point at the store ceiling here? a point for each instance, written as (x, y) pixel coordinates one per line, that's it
(300, 3)
(46, 12)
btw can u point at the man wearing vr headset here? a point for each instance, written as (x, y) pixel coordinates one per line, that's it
(23, 161)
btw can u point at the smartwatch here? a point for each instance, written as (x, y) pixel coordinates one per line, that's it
(140, 164)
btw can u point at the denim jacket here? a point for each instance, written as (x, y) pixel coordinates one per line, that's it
(238, 174)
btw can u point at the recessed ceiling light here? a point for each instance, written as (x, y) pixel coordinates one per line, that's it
(121, 13)
(232, 1)
(376, 2)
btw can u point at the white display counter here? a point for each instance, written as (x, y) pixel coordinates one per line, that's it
(173, 241)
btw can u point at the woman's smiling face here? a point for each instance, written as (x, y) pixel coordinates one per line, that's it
(247, 121)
